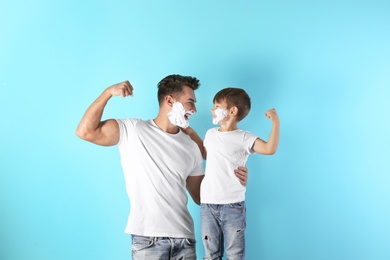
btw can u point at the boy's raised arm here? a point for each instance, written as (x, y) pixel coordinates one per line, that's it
(270, 147)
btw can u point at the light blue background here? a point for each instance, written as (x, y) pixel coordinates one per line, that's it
(325, 66)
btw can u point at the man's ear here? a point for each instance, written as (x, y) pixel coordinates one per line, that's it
(169, 100)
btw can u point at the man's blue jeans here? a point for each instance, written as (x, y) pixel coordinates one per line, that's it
(162, 248)
(223, 225)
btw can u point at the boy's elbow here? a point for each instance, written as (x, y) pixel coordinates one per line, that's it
(273, 150)
(270, 152)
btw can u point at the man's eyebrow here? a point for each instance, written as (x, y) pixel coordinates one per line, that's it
(191, 99)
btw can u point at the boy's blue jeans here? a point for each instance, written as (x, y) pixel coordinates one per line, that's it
(162, 248)
(223, 226)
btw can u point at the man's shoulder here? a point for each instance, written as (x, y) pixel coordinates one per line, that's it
(130, 124)
(132, 121)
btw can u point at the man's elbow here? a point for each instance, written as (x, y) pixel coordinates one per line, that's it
(80, 133)
(83, 134)
(197, 201)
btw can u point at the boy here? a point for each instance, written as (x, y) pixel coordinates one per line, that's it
(223, 213)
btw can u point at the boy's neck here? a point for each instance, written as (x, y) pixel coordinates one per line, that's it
(227, 126)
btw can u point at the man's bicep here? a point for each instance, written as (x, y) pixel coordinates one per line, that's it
(108, 133)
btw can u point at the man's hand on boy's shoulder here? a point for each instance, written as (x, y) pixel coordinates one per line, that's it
(188, 130)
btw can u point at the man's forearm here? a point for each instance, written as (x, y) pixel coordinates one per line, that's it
(196, 138)
(92, 117)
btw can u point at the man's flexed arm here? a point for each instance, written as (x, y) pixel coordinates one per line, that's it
(91, 128)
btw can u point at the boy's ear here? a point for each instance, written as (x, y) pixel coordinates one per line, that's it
(233, 111)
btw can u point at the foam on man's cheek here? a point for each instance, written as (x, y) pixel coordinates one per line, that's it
(177, 115)
(220, 114)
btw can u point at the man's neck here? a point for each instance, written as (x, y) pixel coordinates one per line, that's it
(163, 123)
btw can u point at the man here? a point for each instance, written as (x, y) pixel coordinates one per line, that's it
(159, 162)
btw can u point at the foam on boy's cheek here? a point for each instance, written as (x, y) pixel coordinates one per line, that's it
(178, 114)
(220, 114)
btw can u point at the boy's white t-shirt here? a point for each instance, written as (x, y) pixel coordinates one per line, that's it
(225, 152)
(156, 165)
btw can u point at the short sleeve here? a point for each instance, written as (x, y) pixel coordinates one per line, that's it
(126, 127)
(249, 140)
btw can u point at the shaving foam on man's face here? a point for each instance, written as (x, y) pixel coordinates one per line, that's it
(220, 114)
(179, 116)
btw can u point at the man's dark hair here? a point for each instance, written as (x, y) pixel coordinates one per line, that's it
(235, 97)
(173, 85)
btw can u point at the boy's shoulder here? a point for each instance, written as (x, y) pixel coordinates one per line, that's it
(215, 130)
(212, 130)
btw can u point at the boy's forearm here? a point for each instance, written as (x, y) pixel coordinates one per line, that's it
(273, 140)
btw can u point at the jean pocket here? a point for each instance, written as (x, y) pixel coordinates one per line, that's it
(190, 242)
(141, 243)
(239, 206)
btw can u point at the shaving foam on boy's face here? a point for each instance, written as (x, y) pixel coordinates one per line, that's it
(179, 116)
(220, 114)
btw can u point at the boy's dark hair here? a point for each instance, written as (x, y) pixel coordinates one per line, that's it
(173, 85)
(235, 97)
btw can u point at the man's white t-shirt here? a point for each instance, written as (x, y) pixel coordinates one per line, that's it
(225, 152)
(156, 165)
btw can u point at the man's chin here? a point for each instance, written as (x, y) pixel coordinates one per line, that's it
(184, 124)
